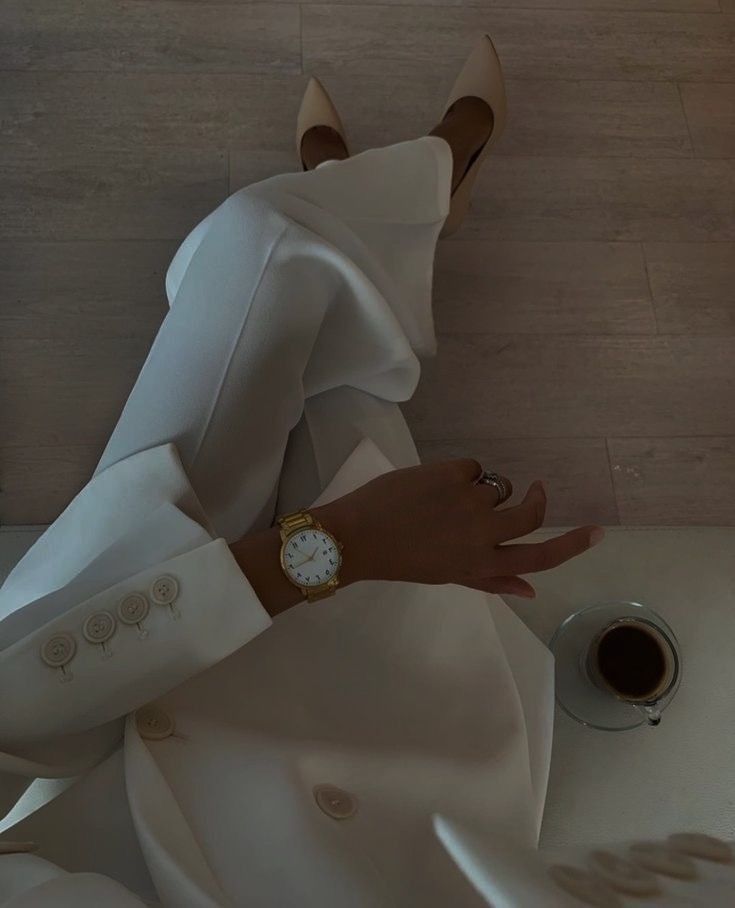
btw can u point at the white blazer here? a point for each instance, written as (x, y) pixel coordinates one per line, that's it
(298, 762)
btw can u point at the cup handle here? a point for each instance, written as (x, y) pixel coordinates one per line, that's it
(652, 714)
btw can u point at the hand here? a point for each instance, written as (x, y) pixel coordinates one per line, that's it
(434, 524)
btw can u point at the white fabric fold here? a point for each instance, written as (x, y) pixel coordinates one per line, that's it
(160, 535)
(112, 504)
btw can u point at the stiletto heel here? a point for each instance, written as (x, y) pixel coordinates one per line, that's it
(481, 77)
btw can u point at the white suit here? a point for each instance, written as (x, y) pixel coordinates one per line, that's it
(207, 755)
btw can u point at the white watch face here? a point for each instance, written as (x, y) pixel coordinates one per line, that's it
(311, 557)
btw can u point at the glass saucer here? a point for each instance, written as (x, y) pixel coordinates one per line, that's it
(576, 694)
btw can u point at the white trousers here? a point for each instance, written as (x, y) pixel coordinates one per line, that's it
(297, 311)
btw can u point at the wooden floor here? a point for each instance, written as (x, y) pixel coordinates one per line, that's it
(586, 310)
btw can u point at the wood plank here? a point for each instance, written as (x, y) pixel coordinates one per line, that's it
(575, 470)
(248, 166)
(693, 286)
(542, 288)
(682, 6)
(675, 481)
(95, 289)
(616, 119)
(516, 386)
(626, 119)
(65, 391)
(604, 199)
(78, 193)
(710, 111)
(155, 36)
(258, 112)
(533, 44)
(39, 482)
(138, 110)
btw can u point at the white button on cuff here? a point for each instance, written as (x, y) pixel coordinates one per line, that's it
(623, 874)
(584, 886)
(662, 860)
(153, 723)
(164, 590)
(705, 847)
(336, 803)
(59, 650)
(98, 628)
(133, 608)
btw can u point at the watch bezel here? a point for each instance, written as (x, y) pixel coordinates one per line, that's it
(322, 583)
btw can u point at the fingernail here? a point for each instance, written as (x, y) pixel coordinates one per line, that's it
(596, 536)
(540, 486)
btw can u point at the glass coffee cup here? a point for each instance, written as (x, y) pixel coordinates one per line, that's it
(618, 666)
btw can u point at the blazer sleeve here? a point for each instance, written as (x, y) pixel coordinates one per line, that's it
(160, 603)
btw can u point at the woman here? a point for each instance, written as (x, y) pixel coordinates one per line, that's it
(205, 754)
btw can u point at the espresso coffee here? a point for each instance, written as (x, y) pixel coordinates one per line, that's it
(631, 661)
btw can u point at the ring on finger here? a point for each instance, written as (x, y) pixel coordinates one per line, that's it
(495, 479)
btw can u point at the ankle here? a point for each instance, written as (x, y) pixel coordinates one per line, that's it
(466, 127)
(320, 144)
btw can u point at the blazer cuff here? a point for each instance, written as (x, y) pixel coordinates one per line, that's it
(160, 627)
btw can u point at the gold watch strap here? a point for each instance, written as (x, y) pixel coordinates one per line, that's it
(313, 595)
(292, 522)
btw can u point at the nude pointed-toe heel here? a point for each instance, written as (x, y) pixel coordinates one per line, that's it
(316, 109)
(481, 77)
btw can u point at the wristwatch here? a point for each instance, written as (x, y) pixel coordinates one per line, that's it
(310, 556)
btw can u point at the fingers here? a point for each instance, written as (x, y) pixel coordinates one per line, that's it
(507, 586)
(468, 468)
(525, 517)
(542, 556)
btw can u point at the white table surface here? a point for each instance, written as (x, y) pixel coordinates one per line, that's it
(648, 782)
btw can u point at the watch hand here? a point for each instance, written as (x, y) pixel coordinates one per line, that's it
(311, 557)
